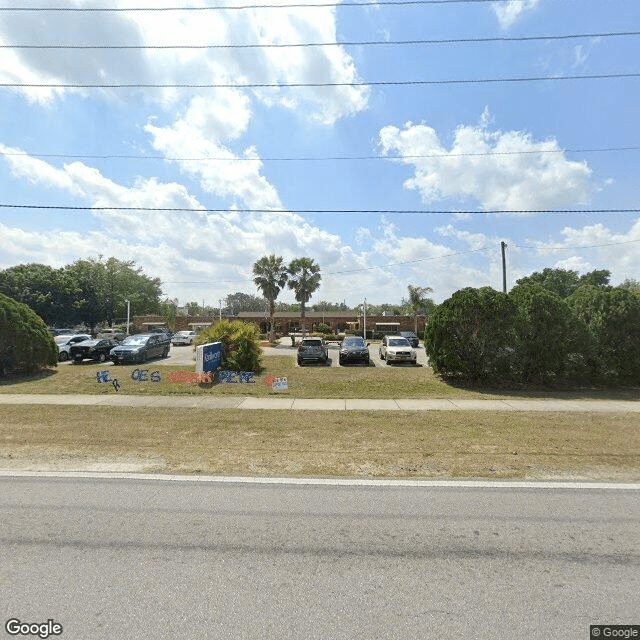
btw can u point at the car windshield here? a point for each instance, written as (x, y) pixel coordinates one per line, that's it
(135, 340)
(398, 342)
(312, 342)
(62, 339)
(353, 342)
(184, 334)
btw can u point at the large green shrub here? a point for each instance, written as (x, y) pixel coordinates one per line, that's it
(612, 317)
(553, 343)
(22, 328)
(472, 334)
(240, 344)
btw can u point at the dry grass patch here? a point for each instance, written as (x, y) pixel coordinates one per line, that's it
(351, 444)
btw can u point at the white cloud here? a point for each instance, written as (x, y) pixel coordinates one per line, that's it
(509, 12)
(594, 246)
(502, 170)
(198, 134)
(158, 66)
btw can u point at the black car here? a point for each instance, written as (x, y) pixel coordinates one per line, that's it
(411, 337)
(313, 349)
(97, 350)
(353, 349)
(141, 347)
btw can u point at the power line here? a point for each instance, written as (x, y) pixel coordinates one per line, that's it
(334, 273)
(311, 158)
(320, 211)
(571, 36)
(272, 85)
(565, 248)
(364, 3)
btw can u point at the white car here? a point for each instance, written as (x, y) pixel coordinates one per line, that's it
(397, 349)
(183, 337)
(64, 344)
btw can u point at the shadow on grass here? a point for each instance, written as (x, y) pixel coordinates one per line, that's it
(558, 392)
(20, 378)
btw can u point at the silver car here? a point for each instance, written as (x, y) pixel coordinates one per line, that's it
(397, 349)
(183, 337)
(64, 344)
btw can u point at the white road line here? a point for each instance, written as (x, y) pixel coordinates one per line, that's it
(348, 482)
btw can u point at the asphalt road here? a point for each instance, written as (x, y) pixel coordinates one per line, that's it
(133, 558)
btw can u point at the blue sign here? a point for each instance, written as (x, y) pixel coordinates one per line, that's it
(208, 357)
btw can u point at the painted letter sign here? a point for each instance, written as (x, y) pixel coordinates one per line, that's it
(208, 357)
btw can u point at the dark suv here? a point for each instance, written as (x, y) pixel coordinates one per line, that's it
(353, 349)
(411, 337)
(141, 347)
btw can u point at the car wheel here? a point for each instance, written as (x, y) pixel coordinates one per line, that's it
(381, 356)
(102, 357)
(63, 355)
(165, 353)
(299, 362)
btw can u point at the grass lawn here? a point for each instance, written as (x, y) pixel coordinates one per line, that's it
(373, 444)
(303, 382)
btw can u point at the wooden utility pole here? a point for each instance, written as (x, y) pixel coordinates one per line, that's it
(503, 245)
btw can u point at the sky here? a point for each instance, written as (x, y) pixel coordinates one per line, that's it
(395, 143)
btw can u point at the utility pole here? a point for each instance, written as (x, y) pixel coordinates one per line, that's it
(503, 245)
(364, 319)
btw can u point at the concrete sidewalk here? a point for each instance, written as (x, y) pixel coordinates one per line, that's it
(302, 404)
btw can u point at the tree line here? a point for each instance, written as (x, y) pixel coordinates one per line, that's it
(86, 292)
(553, 327)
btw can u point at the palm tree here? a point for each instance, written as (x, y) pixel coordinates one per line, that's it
(304, 279)
(270, 276)
(418, 301)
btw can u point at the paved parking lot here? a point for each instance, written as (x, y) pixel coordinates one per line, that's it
(184, 355)
(333, 356)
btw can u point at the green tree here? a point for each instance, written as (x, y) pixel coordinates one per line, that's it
(472, 335)
(239, 301)
(612, 317)
(46, 290)
(240, 344)
(304, 280)
(194, 309)
(270, 276)
(323, 305)
(564, 282)
(169, 310)
(418, 302)
(102, 288)
(553, 342)
(26, 333)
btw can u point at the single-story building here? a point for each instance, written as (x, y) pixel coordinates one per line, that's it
(288, 322)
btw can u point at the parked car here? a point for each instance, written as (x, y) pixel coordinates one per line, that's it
(313, 349)
(98, 350)
(112, 334)
(353, 349)
(183, 337)
(64, 343)
(397, 349)
(141, 347)
(411, 337)
(61, 332)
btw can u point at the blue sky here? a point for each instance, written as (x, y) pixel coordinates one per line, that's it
(283, 166)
